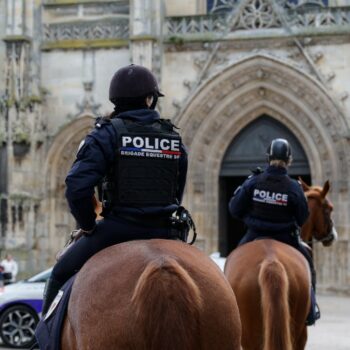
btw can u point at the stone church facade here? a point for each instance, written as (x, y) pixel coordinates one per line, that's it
(235, 74)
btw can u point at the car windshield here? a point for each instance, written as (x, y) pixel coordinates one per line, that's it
(40, 277)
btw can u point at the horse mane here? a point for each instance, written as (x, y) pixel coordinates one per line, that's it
(167, 303)
(274, 286)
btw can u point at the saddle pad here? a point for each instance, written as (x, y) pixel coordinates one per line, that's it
(48, 331)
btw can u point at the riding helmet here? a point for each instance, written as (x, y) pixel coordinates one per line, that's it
(279, 149)
(133, 81)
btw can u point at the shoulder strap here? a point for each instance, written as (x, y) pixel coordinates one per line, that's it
(118, 125)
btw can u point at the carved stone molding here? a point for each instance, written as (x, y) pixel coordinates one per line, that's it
(117, 28)
(253, 15)
(99, 8)
(88, 104)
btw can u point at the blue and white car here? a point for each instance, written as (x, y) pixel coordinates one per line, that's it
(20, 310)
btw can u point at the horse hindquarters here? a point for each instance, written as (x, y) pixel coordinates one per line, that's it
(167, 305)
(274, 286)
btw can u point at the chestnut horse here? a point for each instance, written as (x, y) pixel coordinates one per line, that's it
(151, 295)
(319, 227)
(271, 281)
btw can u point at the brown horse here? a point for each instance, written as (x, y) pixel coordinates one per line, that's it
(151, 295)
(271, 281)
(319, 227)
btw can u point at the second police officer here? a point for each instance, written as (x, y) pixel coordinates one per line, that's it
(143, 164)
(268, 218)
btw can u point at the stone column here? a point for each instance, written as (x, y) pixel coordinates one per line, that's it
(24, 125)
(145, 25)
(146, 21)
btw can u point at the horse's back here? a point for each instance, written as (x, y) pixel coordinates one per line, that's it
(261, 274)
(254, 253)
(153, 294)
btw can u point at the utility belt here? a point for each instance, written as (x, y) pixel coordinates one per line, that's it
(179, 224)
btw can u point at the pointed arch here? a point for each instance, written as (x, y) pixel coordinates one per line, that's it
(58, 162)
(232, 99)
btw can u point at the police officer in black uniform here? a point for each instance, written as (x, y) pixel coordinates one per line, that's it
(142, 164)
(273, 205)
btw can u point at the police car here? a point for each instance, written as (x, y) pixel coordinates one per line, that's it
(20, 309)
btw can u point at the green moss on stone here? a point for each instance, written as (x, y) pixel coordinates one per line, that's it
(72, 2)
(143, 38)
(17, 38)
(84, 44)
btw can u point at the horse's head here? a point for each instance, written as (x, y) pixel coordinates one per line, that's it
(319, 225)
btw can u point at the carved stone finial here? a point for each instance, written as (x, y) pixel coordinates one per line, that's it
(187, 84)
(344, 95)
(260, 74)
(88, 104)
(330, 76)
(176, 103)
(317, 56)
(262, 91)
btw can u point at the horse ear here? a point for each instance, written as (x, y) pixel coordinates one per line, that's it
(325, 189)
(303, 184)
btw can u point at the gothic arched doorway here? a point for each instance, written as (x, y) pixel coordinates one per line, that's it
(59, 160)
(245, 152)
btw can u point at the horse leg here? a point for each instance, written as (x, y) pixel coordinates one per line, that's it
(301, 341)
(68, 341)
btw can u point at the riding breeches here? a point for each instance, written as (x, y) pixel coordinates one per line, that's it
(109, 231)
(286, 238)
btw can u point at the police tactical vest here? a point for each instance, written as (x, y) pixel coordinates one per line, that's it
(271, 200)
(147, 163)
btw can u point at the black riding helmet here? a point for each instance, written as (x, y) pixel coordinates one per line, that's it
(133, 82)
(279, 149)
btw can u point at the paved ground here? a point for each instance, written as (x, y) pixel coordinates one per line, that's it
(332, 332)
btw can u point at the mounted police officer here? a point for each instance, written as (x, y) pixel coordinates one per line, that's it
(273, 205)
(142, 165)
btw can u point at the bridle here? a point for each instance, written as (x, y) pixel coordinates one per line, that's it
(332, 235)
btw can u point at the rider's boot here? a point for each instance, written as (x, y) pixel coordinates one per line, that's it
(51, 289)
(314, 313)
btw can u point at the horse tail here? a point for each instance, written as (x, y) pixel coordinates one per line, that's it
(167, 304)
(274, 285)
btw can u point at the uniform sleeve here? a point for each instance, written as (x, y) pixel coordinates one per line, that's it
(240, 202)
(87, 171)
(301, 209)
(182, 173)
